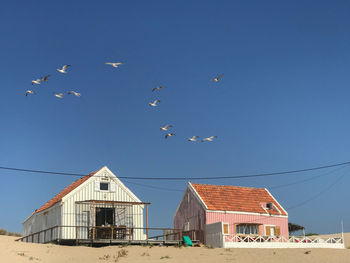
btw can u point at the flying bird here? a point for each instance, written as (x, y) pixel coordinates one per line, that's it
(193, 139)
(29, 92)
(114, 64)
(158, 88)
(63, 69)
(59, 95)
(165, 128)
(169, 135)
(154, 103)
(37, 81)
(217, 78)
(44, 79)
(209, 139)
(75, 93)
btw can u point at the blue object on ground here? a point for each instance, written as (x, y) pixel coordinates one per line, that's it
(187, 241)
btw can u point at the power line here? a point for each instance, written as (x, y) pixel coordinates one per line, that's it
(184, 178)
(307, 179)
(155, 187)
(318, 194)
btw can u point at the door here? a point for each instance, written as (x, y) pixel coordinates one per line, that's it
(104, 216)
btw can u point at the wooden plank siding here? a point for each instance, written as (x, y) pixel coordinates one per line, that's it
(233, 219)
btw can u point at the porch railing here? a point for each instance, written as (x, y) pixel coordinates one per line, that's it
(104, 232)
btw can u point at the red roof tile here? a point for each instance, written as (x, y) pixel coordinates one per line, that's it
(236, 198)
(64, 192)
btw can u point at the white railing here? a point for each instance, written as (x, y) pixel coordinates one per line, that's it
(282, 242)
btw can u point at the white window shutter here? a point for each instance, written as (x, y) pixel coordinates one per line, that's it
(112, 187)
(97, 185)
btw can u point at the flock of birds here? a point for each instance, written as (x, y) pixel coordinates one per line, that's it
(165, 128)
(46, 78)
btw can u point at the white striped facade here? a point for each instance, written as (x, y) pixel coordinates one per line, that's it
(64, 213)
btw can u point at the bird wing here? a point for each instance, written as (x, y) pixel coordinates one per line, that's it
(219, 76)
(45, 78)
(65, 66)
(154, 89)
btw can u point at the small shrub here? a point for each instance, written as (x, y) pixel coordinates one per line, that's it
(122, 253)
(14, 234)
(164, 257)
(20, 254)
(179, 245)
(3, 232)
(105, 257)
(145, 254)
(311, 234)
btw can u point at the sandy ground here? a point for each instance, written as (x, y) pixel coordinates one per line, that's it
(11, 251)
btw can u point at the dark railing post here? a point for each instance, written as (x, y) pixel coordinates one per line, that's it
(76, 234)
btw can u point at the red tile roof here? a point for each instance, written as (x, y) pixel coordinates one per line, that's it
(236, 198)
(64, 192)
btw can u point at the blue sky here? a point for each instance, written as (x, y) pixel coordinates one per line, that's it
(283, 102)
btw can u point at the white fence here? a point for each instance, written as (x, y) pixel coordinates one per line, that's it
(215, 238)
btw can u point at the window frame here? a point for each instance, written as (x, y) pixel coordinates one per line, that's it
(104, 183)
(238, 232)
(223, 228)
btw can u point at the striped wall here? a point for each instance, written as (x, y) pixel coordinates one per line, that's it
(88, 191)
(262, 220)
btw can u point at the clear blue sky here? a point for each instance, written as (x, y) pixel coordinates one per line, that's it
(282, 104)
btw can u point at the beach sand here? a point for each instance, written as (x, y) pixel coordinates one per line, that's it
(12, 251)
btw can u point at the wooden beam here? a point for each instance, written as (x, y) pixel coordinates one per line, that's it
(147, 221)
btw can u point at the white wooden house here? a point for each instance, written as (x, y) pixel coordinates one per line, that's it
(96, 206)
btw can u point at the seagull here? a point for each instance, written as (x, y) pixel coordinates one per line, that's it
(217, 78)
(37, 81)
(63, 69)
(114, 64)
(165, 128)
(193, 139)
(169, 135)
(210, 139)
(59, 95)
(75, 93)
(154, 103)
(29, 92)
(44, 79)
(158, 88)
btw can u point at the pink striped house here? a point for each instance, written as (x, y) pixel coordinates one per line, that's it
(242, 210)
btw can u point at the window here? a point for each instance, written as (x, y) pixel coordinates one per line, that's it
(247, 229)
(104, 186)
(272, 230)
(187, 226)
(225, 229)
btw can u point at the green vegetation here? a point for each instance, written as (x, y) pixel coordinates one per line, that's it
(4, 232)
(311, 234)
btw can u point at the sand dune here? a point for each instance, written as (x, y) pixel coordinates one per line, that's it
(11, 251)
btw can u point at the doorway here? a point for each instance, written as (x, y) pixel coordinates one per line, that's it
(104, 216)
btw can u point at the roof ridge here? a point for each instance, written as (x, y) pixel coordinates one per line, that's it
(231, 186)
